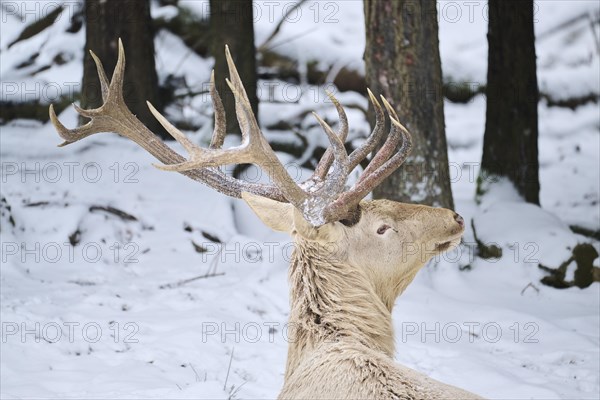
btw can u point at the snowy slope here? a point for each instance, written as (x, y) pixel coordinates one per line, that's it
(113, 316)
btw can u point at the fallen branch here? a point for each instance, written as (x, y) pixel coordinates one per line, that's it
(114, 211)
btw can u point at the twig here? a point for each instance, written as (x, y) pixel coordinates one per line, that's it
(210, 273)
(186, 281)
(233, 393)
(565, 24)
(263, 46)
(228, 369)
(190, 93)
(528, 286)
(592, 23)
(291, 39)
(195, 373)
(215, 262)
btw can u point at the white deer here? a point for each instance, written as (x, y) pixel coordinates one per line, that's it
(352, 258)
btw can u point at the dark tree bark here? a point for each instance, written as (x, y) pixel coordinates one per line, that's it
(232, 24)
(510, 147)
(403, 63)
(106, 22)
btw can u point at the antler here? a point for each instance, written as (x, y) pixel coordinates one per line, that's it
(114, 116)
(320, 199)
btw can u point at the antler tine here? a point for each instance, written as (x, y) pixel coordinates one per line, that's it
(327, 158)
(69, 135)
(259, 152)
(248, 125)
(374, 138)
(199, 158)
(242, 98)
(339, 174)
(389, 108)
(115, 90)
(376, 177)
(187, 144)
(347, 200)
(104, 82)
(254, 148)
(337, 144)
(389, 146)
(202, 158)
(235, 76)
(96, 125)
(219, 131)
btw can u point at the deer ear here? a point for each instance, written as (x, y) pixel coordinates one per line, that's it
(277, 216)
(329, 232)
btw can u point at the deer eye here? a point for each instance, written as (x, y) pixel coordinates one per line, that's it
(383, 228)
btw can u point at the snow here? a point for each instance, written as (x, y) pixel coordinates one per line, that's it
(133, 321)
(18, 84)
(522, 227)
(175, 58)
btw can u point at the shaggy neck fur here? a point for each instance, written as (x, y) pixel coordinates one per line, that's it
(332, 302)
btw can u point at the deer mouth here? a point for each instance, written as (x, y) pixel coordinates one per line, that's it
(447, 245)
(443, 246)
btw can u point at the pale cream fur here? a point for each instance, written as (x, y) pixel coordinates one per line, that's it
(344, 281)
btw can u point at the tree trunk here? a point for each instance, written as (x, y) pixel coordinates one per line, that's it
(403, 63)
(106, 22)
(232, 24)
(510, 146)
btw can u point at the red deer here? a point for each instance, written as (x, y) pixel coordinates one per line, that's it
(350, 261)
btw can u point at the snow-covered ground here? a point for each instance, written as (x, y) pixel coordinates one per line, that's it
(96, 303)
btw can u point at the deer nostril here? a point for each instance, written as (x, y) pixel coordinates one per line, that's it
(459, 219)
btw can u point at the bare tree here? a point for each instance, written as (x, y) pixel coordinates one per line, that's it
(510, 147)
(403, 63)
(232, 24)
(106, 22)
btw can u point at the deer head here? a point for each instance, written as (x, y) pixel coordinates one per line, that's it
(382, 243)
(389, 241)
